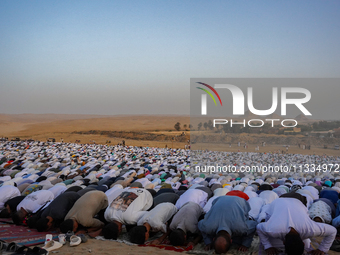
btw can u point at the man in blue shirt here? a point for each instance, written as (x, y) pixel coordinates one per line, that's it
(228, 219)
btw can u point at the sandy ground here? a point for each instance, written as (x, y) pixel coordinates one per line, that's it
(98, 247)
(43, 126)
(108, 247)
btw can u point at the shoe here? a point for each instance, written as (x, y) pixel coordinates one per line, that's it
(52, 245)
(75, 240)
(37, 251)
(3, 246)
(49, 237)
(83, 238)
(12, 247)
(62, 238)
(22, 250)
(68, 235)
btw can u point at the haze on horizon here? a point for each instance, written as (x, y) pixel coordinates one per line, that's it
(137, 57)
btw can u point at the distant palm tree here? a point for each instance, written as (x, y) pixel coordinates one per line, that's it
(177, 126)
(205, 125)
(210, 125)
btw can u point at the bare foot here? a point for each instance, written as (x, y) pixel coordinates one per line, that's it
(80, 232)
(95, 233)
(156, 242)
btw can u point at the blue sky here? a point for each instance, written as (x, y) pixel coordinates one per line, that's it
(137, 57)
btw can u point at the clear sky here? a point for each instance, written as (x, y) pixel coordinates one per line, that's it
(137, 57)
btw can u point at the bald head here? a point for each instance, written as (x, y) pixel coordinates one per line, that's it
(222, 243)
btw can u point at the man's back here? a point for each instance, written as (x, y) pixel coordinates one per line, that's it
(61, 205)
(87, 206)
(181, 220)
(158, 216)
(192, 195)
(165, 198)
(290, 212)
(7, 192)
(127, 206)
(34, 201)
(228, 213)
(287, 213)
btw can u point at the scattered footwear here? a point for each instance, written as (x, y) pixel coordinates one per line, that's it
(12, 247)
(3, 246)
(37, 251)
(22, 250)
(52, 245)
(68, 235)
(75, 240)
(83, 238)
(62, 239)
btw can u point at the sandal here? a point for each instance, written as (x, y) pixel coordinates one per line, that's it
(83, 238)
(37, 251)
(12, 247)
(3, 246)
(68, 235)
(22, 250)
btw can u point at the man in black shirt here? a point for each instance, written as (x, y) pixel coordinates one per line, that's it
(11, 206)
(165, 198)
(56, 211)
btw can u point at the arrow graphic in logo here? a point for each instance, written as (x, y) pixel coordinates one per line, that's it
(209, 93)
